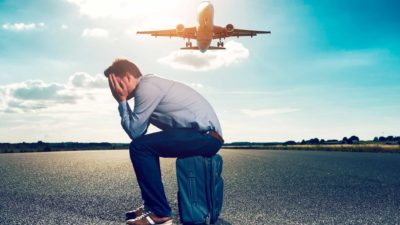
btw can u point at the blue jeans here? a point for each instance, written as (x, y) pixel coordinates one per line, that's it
(146, 150)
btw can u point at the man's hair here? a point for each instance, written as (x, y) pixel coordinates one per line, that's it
(120, 66)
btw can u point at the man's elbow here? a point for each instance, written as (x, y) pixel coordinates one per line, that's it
(134, 135)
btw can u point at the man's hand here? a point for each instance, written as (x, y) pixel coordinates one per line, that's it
(118, 88)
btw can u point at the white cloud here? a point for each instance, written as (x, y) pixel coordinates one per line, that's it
(84, 80)
(38, 90)
(267, 112)
(22, 26)
(210, 60)
(122, 9)
(59, 112)
(95, 32)
(34, 95)
(196, 85)
(64, 27)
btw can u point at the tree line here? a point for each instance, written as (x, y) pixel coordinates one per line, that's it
(350, 140)
(41, 146)
(389, 140)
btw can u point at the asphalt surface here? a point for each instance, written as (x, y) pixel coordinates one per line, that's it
(262, 187)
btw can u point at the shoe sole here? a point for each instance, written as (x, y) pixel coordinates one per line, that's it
(169, 222)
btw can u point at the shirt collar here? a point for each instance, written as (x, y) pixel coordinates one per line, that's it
(138, 79)
(137, 85)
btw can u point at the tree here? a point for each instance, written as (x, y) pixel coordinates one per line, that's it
(345, 140)
(290, 143)
(376, 139)
(353, 139)
(332, 141)
(314, 141)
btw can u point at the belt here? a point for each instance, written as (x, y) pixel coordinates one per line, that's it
(215, 135)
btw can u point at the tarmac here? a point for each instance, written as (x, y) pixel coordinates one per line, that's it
(261, 187)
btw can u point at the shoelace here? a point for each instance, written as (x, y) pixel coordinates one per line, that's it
(140, 207)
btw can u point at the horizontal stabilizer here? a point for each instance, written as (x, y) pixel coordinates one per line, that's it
(215, 48)
(191, 48)
(209, 48)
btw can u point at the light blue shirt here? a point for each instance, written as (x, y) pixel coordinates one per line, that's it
(166, 104)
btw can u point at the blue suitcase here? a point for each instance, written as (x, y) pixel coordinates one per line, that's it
(200, 189)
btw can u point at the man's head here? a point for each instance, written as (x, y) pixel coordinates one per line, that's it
(123, 67)
(123, 73)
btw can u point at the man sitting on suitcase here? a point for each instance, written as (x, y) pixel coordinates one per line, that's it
(188, 123)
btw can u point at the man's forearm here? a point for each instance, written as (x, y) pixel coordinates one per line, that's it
(125, 113)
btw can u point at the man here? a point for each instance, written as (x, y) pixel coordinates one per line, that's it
(189, 127)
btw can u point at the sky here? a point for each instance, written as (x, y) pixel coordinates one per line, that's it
(329, 69)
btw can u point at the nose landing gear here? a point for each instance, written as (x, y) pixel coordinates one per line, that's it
(220, 43)
(188, 44)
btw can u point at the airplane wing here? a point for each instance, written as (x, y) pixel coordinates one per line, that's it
(222, 32)
(189, 32)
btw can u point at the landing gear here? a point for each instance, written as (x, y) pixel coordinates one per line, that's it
(220, 43)
(188, 44)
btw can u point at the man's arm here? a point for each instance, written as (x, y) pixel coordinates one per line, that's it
(136, 123)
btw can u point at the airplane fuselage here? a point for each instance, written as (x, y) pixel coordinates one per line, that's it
(205, 25)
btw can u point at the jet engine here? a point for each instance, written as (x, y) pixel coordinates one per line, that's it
(229, 28)
(180, 28)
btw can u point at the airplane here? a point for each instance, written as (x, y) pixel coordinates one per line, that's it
(205, 31)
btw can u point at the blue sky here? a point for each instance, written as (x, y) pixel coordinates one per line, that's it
(330, 68)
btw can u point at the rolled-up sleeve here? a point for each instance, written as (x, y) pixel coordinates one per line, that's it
(136, 123)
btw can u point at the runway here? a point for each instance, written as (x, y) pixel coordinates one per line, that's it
(261, 187)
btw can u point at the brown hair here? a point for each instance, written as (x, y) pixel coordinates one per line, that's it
(120, 66)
